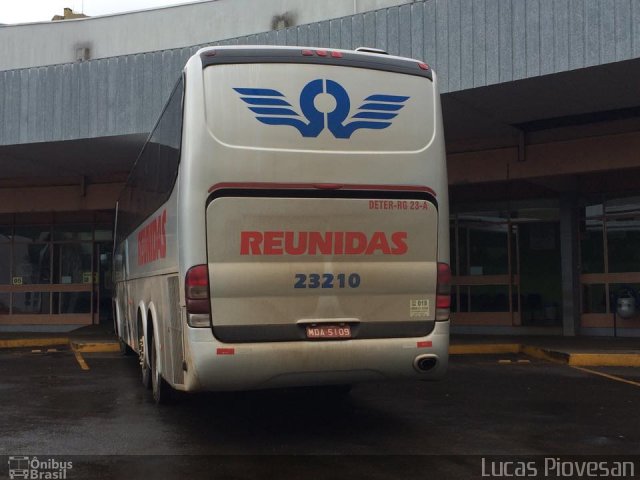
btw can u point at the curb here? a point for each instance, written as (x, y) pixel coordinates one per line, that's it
(484, 349)
(610, 359)
(604, 360)
(33, 342)
(77, 345)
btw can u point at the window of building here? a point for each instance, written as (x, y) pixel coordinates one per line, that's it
(623, 234)
(30, 303)
(592, 239)
(51, 264)
(31, 262)
(609, 253)
(594, 298)
(5, 255)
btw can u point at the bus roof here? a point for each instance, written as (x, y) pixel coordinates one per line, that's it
(313, 55)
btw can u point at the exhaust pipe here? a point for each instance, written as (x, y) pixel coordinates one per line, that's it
(425, 363)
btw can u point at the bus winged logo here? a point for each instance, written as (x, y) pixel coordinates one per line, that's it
(272, 108)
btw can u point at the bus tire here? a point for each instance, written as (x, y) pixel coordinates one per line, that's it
(125, 349)
(162, 391)
(144, 362)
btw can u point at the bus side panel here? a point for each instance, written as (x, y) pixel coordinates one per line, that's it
(438, 152)
(150, 287)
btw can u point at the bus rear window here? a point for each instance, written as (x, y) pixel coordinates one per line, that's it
(318, 108)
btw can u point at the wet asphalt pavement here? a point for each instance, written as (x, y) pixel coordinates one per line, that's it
(487, 405)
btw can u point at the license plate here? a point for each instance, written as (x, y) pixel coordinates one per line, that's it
(329, 331)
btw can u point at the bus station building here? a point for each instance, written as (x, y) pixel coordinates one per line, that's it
(541, 110)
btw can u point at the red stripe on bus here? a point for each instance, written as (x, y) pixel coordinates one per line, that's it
(427, 344)
(226, 351)
(319, 186)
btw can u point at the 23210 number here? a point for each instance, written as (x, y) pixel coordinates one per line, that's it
(327, 280)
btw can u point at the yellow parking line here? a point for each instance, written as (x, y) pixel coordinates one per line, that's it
(96, 347)
(81, 362)
(606, 375)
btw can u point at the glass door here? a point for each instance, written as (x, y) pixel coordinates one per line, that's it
(481, 263)
(103, 285)
(507, 269)
(537, 248)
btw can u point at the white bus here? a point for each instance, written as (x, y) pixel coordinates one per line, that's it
(286, 224)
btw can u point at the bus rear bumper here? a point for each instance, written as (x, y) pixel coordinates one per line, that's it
(214, 366)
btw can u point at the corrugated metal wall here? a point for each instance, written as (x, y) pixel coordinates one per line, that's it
(470, 43)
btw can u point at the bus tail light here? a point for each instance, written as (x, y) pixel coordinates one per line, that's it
(321, 53)
(196, 287)
(443, 292)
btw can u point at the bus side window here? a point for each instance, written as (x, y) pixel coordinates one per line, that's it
(154, 173)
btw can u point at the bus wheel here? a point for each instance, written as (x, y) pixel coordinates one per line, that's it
(144, 364)
(161, 389)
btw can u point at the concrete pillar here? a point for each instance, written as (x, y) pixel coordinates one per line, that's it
(569, 252)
